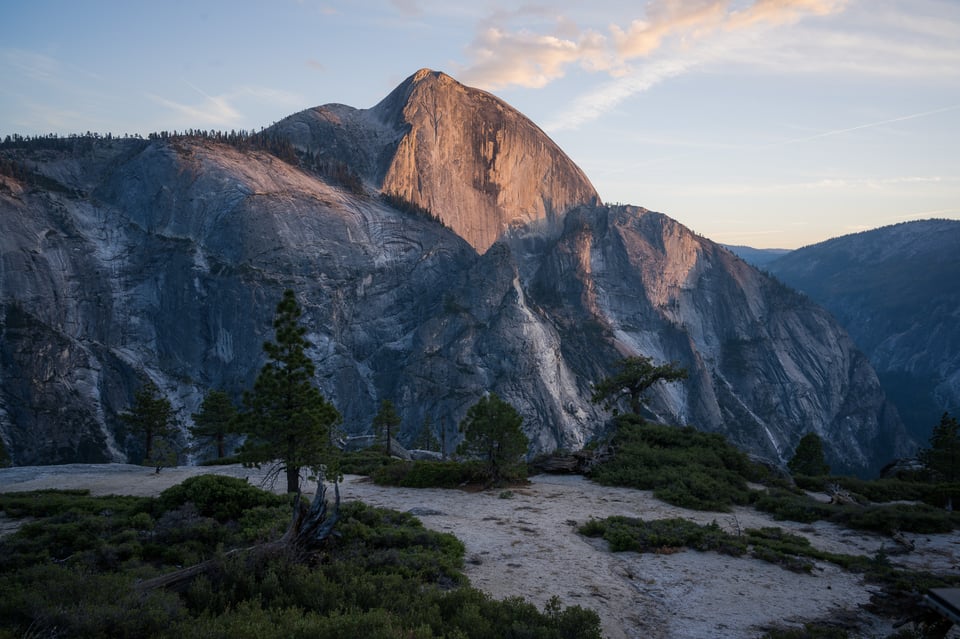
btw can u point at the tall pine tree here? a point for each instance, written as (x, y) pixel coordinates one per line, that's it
(287, 420)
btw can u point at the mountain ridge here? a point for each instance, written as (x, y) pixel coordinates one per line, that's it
(890, 287)
(164, 258)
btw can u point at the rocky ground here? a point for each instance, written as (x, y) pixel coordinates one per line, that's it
(524, 543)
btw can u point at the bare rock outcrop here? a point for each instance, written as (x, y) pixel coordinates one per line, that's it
(461, 153)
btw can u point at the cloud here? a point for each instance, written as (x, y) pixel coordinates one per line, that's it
(224, 110)
(594, 104)
(211, 110)
(503, 57)
(407, 7)
(523, 58)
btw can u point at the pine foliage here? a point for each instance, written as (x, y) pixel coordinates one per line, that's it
(286, 418)
(491, 431)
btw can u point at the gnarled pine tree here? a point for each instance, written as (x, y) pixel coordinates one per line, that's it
(634, 376)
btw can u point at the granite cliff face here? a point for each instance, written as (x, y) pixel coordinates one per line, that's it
(165, 258)
(463, 154)
(895, 290)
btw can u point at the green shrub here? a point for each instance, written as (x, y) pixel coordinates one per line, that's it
(385, 576)
(882, 518)
(366, 461)
(683, 466)
(773, 545)
(903, 517)
(429, 474)
(218, 496)
(61, 601)
(44, 503)
(630, 534)
(785, 505)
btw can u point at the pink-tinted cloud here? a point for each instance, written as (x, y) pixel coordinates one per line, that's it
(502, 57)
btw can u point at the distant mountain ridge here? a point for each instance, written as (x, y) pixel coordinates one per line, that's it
(758, 257)
(164, 258)
(896, 289)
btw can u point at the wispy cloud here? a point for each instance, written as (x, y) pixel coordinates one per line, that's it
(501, 56)
(224, 110)
(592, 105)
(674, 37)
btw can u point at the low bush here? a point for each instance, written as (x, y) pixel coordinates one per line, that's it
(384, 575)
(790, 506)
(683, 466)
(429, 474)
(773, 545)
(44, 503)
(881, 518)
(630, 534)
(218, 496)
(366, 461)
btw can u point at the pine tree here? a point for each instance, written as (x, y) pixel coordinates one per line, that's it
(808, 458)
(427, 439)
(385, 421)
(286, 418)
(634, 376)
(491, 431)
(215, 420)
(150, 416)
(942, 458)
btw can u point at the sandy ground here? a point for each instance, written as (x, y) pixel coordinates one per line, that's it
(526, 545)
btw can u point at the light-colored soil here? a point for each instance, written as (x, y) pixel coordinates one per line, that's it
(525, 544)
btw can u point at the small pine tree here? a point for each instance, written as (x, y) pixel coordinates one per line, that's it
(427, 439)
(151, 416)
(164, 454)
(808, 458)
(491, 431)
(942, 458)
(385, 422)
(215, 420)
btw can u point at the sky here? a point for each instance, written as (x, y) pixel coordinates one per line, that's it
(767, 123)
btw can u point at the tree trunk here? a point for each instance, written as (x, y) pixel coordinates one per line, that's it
(149, 444)
(293, 479)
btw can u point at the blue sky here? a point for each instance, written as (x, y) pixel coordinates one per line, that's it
(772, 123)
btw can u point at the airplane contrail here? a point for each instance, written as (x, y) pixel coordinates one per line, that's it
(901, 118)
